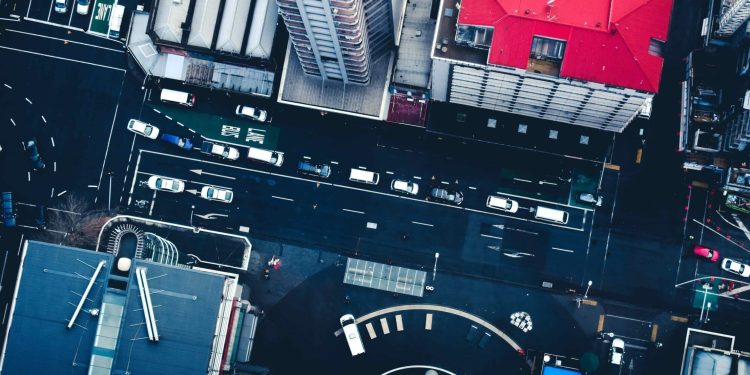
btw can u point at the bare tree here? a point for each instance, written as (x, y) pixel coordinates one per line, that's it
(74, 219)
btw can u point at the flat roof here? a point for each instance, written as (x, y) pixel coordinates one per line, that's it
(52, 280)
(413, 63)
(298, 88)
(384, 277)
(607, 41)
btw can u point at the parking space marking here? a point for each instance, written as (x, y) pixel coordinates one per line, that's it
(306, 157)
(490, 236)
(12, 122)
(283, 198)
(371, 331)
(52, 140)
(28, 174)
(424, 224)
(8, 86)
(44, 119)
(428, 322)
(383, 325)
(62, 192)
(51, 4)
(353, 211)
(20, 245)
(399, 323)
(29, 101)
(388, 172)
(334, 162)
(561, 249)
(627, 318)
(54, 166)
(445, 182)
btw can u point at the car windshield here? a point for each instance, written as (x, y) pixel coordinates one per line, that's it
(211, 192)
(159, 182)
(225, 153)
(147, 130)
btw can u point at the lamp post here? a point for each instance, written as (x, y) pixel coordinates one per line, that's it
(708, 309)
(706, 287)
(192, 209)
(585, 295)
(434, 268)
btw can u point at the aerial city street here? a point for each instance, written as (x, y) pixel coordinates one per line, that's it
(406, 187)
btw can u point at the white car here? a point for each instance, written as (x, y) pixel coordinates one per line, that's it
(171, 185)
(504, 204)
(257, 114)
(405, 187)
(83, 7)
(213, 193)
(616, 352)
(735, 267)
(61, 6)
(226, 152)
(142, 128)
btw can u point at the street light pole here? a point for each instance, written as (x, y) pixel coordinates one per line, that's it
(434, 268)
(585, 295)
(192, 209)
(109, 199)
(708, 309)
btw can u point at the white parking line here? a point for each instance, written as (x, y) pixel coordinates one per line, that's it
(93, 186)
(417, 177)
(361, 167)
(51, 4)
(44, 119)
(153, 202)
(420, 223)
(444, 182)
(283, 198)
(53, 141)
(561, 249)
(334, 162)
(54, 166)
(62, 192)
(12, 122)
(306, 157)
(63, 58)
(29, 175)
(472, 188)
(52, 193)
(29, 101)
(8, 86)
(487, 235)
(352, 211)
(388, 172)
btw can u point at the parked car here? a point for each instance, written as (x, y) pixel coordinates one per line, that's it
(184, 143)
(9, 215)
(502, 203)
(36, 160)
(448, 196)
(142, 128)
(405, 187)
(171, 185)
(706, 253)
(589, 198)
(220, 150)
(217, 194)
(616, 352)
(735, 267)
(312, 169)
(61, 6)
(83, 7)
(257, 114)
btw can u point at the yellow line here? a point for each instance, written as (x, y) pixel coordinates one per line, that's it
(654, 330)
(589, 302)
(700, 184)
(679, 319)
(600, 326)
(613, 167)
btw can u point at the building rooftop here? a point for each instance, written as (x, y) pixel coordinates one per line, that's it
(109, 334)
(329, 95)
(413, 63)
(611, 42)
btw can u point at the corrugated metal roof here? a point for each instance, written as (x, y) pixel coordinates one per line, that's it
(607, 41)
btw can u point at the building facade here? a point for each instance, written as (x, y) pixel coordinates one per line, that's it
(577, 62)
(338, 39)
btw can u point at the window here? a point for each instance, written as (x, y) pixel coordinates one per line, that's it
(546, 56)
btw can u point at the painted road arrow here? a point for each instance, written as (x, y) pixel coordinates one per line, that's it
(200, 172)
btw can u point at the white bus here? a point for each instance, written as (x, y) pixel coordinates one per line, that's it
(352, 334)
(115, 21)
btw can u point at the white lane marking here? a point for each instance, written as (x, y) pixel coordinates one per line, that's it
(54, 166)
(29, 101)
(153, 202)
(64, 40)
(29, 175)
(53, 141)
(444, 182)
(420, 223)
(472, 188)
(306, 157)
(168, 118)
(521, 179)
(62, 192)
(584, 210)
(156, 110)
(283, 198)
(20, 245)
(352, 211)
(417, 177)
(12, 122)
(109, 140)
(561, 249)
(135, 177)
(5, 312)
(388, 172)
(44, 119)
(93, 186)
(52, 193)
(63, 58)
(191, 130)
(51, 4)
(179, 123)
(334, 162)
(487, 235)
(8, 86)
(361, 167)
(2, 275)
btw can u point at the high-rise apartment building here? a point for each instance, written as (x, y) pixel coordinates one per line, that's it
(337, 39)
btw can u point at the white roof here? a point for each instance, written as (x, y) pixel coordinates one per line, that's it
(204, 23)
(232, 28)
(262, 29)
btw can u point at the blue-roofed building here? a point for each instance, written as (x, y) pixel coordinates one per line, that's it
(81, 312)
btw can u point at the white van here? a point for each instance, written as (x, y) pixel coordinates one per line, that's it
(115, 21)
(177, 97)
(365, 177)
(352, 334)
(549, 214)
(271, 157)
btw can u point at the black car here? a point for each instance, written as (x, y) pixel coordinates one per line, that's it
(36, 160)
(312, 169)
(448, 196)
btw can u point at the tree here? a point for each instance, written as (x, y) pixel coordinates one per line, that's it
(73, 222)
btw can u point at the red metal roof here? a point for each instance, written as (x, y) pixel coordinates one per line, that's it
(607, 40)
